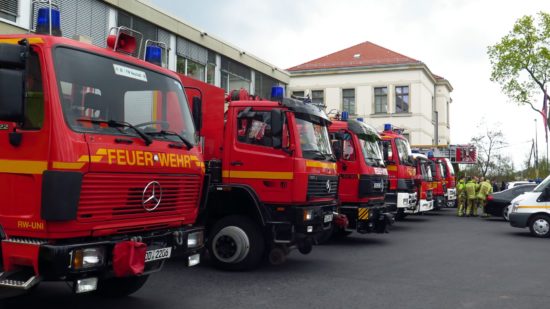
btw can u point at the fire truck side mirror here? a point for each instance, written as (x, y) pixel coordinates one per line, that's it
(337, 148)
(197, 113)
(277, 128)
(12, 91)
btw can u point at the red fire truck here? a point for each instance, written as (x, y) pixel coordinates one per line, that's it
(424, 182)
(363, 177)
(450, 181)
(273, 176)
(402, 192)
(100, 177)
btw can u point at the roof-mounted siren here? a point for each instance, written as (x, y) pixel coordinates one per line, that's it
(48, 17)
(156, 53)
(277, 93)
(125, 40)
(344, 116)
(388, 127)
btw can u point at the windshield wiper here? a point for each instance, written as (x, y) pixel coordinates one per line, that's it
(120, 124)
(187, 143)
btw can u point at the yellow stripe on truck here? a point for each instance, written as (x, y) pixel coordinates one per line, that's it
(258, 175)
(23, 167)
(68, 165)
(320, 164)
(16, 41)
(534, 207)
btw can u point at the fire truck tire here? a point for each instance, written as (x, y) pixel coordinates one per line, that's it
(236, 243)
(120, 287)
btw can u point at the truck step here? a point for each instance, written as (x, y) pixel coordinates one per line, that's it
(19, 279)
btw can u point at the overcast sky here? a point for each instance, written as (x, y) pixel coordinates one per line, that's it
(450, 36)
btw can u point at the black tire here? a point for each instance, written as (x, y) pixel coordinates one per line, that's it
(539, 225)
(236, 243)
(120, 287)
(505, 213)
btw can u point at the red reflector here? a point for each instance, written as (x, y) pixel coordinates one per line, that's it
(490, 198)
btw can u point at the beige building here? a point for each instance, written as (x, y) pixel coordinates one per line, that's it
(191, 51)
(380, 86)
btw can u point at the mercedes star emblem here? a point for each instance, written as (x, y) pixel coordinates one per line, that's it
(152, 195)
(328, 186)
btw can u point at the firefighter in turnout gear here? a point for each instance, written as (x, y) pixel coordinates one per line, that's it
(461, 194)
(485, 188)
(470, 189)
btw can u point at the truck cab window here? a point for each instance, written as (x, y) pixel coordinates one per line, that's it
(348, 152)
(255, 128)
(34, 95)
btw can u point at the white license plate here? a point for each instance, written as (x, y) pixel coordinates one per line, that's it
(377, 185)
(158, 254)
(328, 218)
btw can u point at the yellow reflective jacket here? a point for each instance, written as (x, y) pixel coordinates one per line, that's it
(470, 189)
(485, 188)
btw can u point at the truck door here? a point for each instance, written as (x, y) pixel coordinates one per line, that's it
(349, 168)
(22, 164)
(253, 159)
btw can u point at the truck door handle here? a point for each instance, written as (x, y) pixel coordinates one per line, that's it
(236, 163)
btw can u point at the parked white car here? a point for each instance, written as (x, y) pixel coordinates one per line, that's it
(512, 184)
(532, 209)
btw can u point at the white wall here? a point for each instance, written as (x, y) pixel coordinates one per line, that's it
(418, 122)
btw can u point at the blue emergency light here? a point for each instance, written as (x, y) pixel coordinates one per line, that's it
(430, 154)
(360, 119)
(43, 21)
(387, 127)
(153, 54)
(345, 115)
(277, 93)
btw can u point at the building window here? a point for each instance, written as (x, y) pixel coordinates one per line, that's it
(381, 100)
(402, 99)
(448, 113)
(211, 68)
(318, 97)
(298, 94)
(348, 101)
(235, 75)
(263, 85)
(9, 9)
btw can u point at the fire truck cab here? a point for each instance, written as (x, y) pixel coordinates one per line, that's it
(100, 175)
(273, 176)
(363, 176)
(424, 182)
(402, 192)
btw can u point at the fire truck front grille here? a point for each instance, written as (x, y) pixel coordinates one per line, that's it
(319, 186)
(119, 197)
(372, 185)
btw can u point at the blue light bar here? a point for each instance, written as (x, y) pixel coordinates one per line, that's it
(430, 154)
(387, 127)
(345, 115)
(277, 93)
(360, 119)
(43, 21)
(153, 54)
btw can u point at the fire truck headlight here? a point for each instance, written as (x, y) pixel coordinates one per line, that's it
(308, 214)
(195, 239)
(87, 258)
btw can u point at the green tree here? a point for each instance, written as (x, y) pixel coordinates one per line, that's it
(521, 60)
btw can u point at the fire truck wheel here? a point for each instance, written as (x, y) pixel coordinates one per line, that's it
(539, 225)
(120, 287)
(236, 243)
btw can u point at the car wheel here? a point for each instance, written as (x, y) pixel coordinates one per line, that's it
(539, 226)
(236, 243)
(505, 213)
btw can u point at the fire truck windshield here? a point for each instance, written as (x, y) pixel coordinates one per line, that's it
(426, 171)
(403, 151)
(442, 169)
(450, 168)
(371, 152)
(96, 90)
(314, 140)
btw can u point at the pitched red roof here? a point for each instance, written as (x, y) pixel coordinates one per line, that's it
(361, 55)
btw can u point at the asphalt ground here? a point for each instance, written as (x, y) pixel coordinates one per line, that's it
(432, 261)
